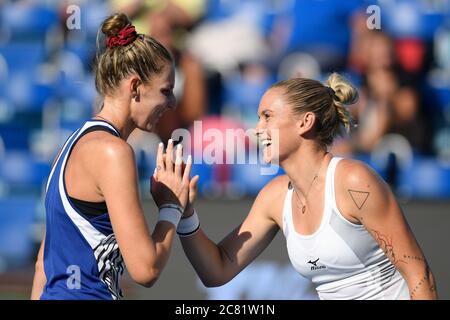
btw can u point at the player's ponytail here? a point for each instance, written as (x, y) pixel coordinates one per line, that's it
(327, 102)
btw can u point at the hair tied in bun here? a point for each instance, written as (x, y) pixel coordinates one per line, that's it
(124, 37)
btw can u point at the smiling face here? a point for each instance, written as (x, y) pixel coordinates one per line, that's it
(276, 128)
(154, 98)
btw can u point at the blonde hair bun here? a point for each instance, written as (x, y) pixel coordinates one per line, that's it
(112, 25)
(344, 90)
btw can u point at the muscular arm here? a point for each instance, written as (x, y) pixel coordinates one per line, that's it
(144, 255)
(216, 264)
(39, 276)
(364, 196)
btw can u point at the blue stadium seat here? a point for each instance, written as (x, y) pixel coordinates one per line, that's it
(436, 97)
(27, 22)
(146, 164)
(82, 90)
(20, 171)
(217, 9)
(15, 136)
(24, 89)
(84, 51)
(426, 178)
(242, 97)
(92, 16)
(206, 173)
(313, 21)
(16, 230)
(410, 19)
(21, 57)
(27, 93)
(367, 159)
(442, 98)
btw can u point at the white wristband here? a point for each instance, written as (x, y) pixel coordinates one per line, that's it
(188, 226)
(171, 213)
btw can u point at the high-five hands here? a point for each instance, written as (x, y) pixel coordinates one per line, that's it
(171, 182)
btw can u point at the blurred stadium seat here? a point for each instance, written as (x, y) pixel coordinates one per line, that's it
(15, 136)
(23, 174)
(442, 96)
(412, 19)
(83, 52)
(206, 184)
(27, 21)
(17, 215)
(28, 93)
(426, 178)
(242, 95)
(22, 57)
(92, 15)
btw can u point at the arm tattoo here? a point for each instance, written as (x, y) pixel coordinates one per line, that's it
(421, 286)
(387, 247)
(359, 197)
(418, 286)
(416, 258)
(225, 252)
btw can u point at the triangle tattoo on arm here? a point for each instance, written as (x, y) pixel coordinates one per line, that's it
(358, 197)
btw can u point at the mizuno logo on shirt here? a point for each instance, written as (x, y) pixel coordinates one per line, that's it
(315, 266)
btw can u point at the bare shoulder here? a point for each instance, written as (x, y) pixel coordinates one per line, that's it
(101, 150)
(275, 188)
(355, 173)
(107, 145)
(359, 188)
(270, 199)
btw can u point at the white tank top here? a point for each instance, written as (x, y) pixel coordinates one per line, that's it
(341, 258)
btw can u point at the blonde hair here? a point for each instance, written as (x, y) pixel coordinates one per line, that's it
(327, 102)
(144, 56)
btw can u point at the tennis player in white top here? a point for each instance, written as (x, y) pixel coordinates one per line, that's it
(343, 227)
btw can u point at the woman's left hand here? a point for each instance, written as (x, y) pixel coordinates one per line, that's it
(193, 188)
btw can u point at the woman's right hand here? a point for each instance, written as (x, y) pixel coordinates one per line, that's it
(170, 183)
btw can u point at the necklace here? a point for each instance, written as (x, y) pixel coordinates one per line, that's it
(303, 206)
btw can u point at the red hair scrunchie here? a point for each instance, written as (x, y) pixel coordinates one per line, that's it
(125, 36)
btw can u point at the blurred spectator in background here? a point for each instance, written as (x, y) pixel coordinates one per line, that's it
(389, 100)
(395, 103)
(184, 13)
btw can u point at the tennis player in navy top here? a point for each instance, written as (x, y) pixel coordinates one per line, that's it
(94, 219)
